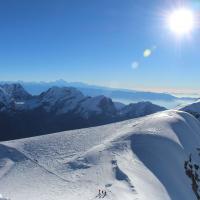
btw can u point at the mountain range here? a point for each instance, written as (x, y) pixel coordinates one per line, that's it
(35, 88)
(59, 109)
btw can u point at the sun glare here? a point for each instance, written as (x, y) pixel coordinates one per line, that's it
(181, 21)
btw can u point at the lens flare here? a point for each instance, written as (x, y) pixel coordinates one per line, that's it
(147, 52)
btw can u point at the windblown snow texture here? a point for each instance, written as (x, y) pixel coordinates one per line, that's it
(138, 159)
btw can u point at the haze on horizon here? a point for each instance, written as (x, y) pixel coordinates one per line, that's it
(110, 43)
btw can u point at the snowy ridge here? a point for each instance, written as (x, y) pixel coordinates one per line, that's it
(136, 159)
(69, 99)
(193, 108)
(139, 109)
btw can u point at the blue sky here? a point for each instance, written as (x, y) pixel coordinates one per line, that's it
(97, 42)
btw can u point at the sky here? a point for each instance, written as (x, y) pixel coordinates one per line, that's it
(115, 43)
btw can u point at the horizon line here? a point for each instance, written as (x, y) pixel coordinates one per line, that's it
(178, 92)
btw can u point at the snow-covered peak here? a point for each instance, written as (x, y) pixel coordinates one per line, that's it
(57, 93)
(16, 91)
(68, 99)
(99, 104)
(140, 109)
(64, 98)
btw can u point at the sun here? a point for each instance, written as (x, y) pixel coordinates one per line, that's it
(181, 21)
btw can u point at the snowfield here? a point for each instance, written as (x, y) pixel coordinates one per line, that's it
(139, 159)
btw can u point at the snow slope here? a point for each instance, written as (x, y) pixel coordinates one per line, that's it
(140, 159)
